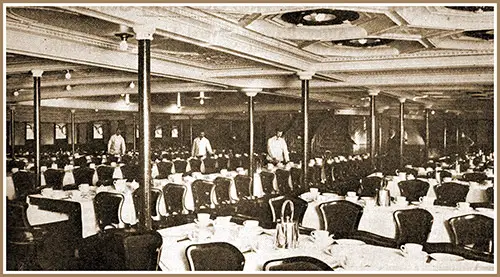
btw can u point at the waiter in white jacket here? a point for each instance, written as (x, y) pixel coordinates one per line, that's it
(277, 150)
(201, 146)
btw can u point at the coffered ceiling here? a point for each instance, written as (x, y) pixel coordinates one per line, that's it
(439, 57)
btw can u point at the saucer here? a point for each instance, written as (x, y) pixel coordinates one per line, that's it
(198, 223)
(321, 242)
(420, 255)
(446, 257)
(349, 242)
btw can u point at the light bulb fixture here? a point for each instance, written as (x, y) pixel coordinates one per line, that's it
(127, 99)
(178, 100)
(202, 101)
(433, 112)
(16, 93)
(68, 87)
(132, 85)
(122, 95)
(67, 75)
(123, 44)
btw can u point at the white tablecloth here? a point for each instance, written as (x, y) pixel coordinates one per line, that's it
(353, 258)
(476, 194)
(380, 220)
(37, 216)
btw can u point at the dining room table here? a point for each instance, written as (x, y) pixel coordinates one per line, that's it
(379, 219)
(44, 208)
(343, 255)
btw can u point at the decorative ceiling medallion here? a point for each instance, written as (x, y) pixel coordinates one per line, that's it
(472, 8)
(482, 34)
(319, 17)
(363, 42)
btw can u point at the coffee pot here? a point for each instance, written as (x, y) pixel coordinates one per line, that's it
(287, 231)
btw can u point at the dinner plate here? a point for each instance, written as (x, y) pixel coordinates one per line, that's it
(446, 257)
(484, 210)
(349, 242)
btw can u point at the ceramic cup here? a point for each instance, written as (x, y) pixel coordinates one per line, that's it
(203, 218)
(464, 206)
(48, 192)
(84, 188)
(412, 249)
(351, 194)
(320, 236)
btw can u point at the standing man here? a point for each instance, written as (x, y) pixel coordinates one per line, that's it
(277, 150)
(201, 146)
(116, 144)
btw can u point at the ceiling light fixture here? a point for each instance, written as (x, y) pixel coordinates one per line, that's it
(67, 75)
(132, 85)
(68, 87)
(127, 99)
(362, 40)
(16, 93)
(202, 101)
(123, 44)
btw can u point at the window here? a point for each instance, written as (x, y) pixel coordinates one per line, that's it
(158, 131)
(175, 132)
(60, 130)
(30, 135)
(97, 131)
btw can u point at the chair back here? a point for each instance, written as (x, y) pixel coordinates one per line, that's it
(16, 216)
(267, 179)
(83, 175)
(314, 175)
(234, 162)
(222, 186)
(296, 263)
(244, 186)
(108, 209)
(296, 175)
(142, 251)
(474, 231)
(341, 217)
(155, 202)
(474, 177)
(347, 185)
(276, 203)
(105, 174)
(413, 225)
(214, 256)
(164, 169)
(413, 189)
(210, 165)
(195, 164)
(203, 192)
(54, 178)
(180, 166)
(444, 174)
(222, 163)
(450, 193)
(369, 186)
(490, 194)
(24, 183)
(130, 172)
(174, 195)
(282, 178)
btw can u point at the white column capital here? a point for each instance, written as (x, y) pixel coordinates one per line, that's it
(73, 111)
(12, 108)
(402, 100)
(251, 92)
(144, 31)
(428, 106)
(373, 92)
(305, 75)
(37, 72)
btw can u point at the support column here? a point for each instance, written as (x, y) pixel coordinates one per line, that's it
(457, 134)
(305, 77)
(134, 123)
(12, 132)
(144, 35)
(373, 127)
(73, 136)
(445, 131)
(190, 133)
(37, 76)
(251, 93)
(401, 131)
(380, 137)
(427, 134)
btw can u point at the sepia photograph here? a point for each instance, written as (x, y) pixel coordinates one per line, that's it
(250, 138)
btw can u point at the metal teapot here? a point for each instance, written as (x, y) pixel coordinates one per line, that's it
(287, 231)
